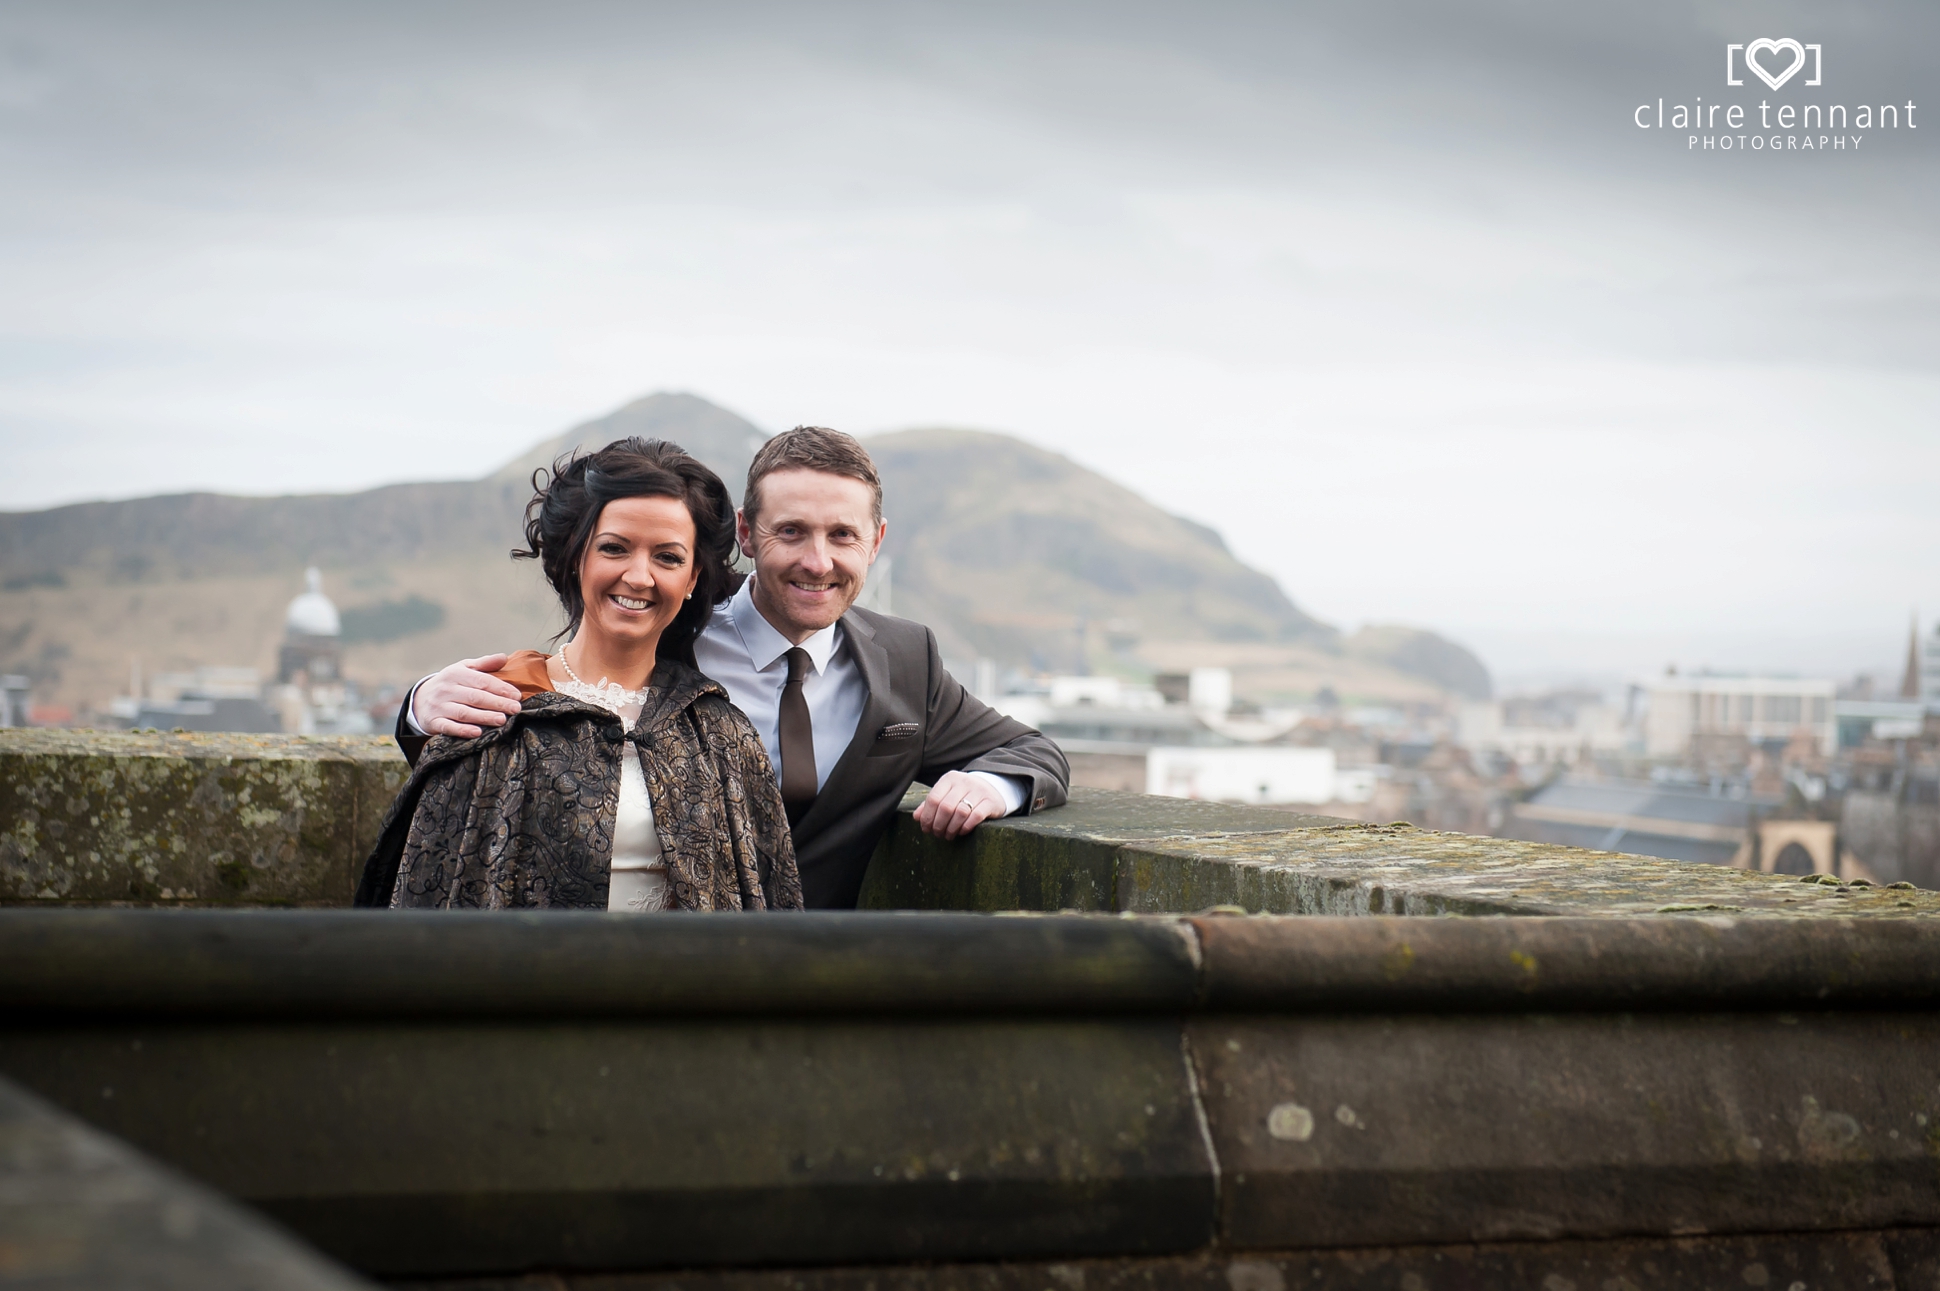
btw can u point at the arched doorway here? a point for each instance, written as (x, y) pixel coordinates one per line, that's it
(1780, 842)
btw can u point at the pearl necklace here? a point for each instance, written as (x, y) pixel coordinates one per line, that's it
(611, 696)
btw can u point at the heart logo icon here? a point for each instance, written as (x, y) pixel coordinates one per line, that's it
(1751, 59)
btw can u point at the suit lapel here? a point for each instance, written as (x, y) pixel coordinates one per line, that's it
(873, 662)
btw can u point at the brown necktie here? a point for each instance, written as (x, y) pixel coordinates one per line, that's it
(797, 741)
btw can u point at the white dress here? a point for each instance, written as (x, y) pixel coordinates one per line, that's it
(639, 879)
(639, 871)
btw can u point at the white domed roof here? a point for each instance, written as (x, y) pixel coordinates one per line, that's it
(312, 614)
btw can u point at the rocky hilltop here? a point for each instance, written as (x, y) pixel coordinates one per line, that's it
(1009, 551)
(1022, 554)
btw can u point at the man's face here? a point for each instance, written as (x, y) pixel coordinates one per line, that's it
(812, 545)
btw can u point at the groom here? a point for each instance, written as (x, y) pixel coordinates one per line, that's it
(854, 706)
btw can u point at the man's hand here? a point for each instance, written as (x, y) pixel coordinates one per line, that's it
(957, 804)
(463, 698)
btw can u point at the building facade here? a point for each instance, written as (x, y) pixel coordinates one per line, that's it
(1756, 709)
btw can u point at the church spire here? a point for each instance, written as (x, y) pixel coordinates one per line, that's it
(1910, 684)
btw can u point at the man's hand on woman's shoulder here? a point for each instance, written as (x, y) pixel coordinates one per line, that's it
(463, 698)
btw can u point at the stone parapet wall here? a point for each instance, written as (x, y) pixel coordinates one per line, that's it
(1168, 1100)
(93, 818)
(97, 818)
(1684, 1075)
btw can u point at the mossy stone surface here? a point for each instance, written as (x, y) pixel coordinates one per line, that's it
(1398, 869)
(94, 818)
(1112, 851)
(97, 817)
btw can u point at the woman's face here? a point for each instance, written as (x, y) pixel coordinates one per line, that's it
(638, 569)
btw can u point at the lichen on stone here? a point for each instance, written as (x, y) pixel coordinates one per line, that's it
(97, 817)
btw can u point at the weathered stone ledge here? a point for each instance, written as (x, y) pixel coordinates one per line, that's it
(93, 818)
(102, 818)
(1114, 851)
(237, 965)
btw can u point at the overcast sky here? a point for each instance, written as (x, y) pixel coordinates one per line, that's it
(1397, 296)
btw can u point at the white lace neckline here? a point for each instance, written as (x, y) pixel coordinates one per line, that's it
(613, 697)
(610, 695)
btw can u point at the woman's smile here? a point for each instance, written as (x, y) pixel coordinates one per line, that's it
(636, 572)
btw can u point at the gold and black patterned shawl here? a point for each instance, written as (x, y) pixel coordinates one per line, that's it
(522, 817)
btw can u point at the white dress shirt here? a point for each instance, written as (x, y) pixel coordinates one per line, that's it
(744, 652)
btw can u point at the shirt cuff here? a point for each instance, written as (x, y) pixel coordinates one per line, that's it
(410, 698)
(1012, 789)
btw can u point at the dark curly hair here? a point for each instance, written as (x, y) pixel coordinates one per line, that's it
(566, 505)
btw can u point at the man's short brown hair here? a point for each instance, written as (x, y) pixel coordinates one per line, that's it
(811, 448)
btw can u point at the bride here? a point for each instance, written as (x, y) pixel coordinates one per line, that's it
(627, 781)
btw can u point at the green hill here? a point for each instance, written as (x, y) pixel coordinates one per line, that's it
(1007, 550)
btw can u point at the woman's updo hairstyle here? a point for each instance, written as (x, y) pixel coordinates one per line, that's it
(566, 505)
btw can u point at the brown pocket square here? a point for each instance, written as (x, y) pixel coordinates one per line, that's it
(899, 730)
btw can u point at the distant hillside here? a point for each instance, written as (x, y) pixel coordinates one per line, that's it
(207, 535)
(200, 535)
(1007, 550)
(1004, 548)
(1425, 655)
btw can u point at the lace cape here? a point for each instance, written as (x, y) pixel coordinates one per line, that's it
(522, 817)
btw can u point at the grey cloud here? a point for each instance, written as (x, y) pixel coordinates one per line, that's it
(155, 133)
